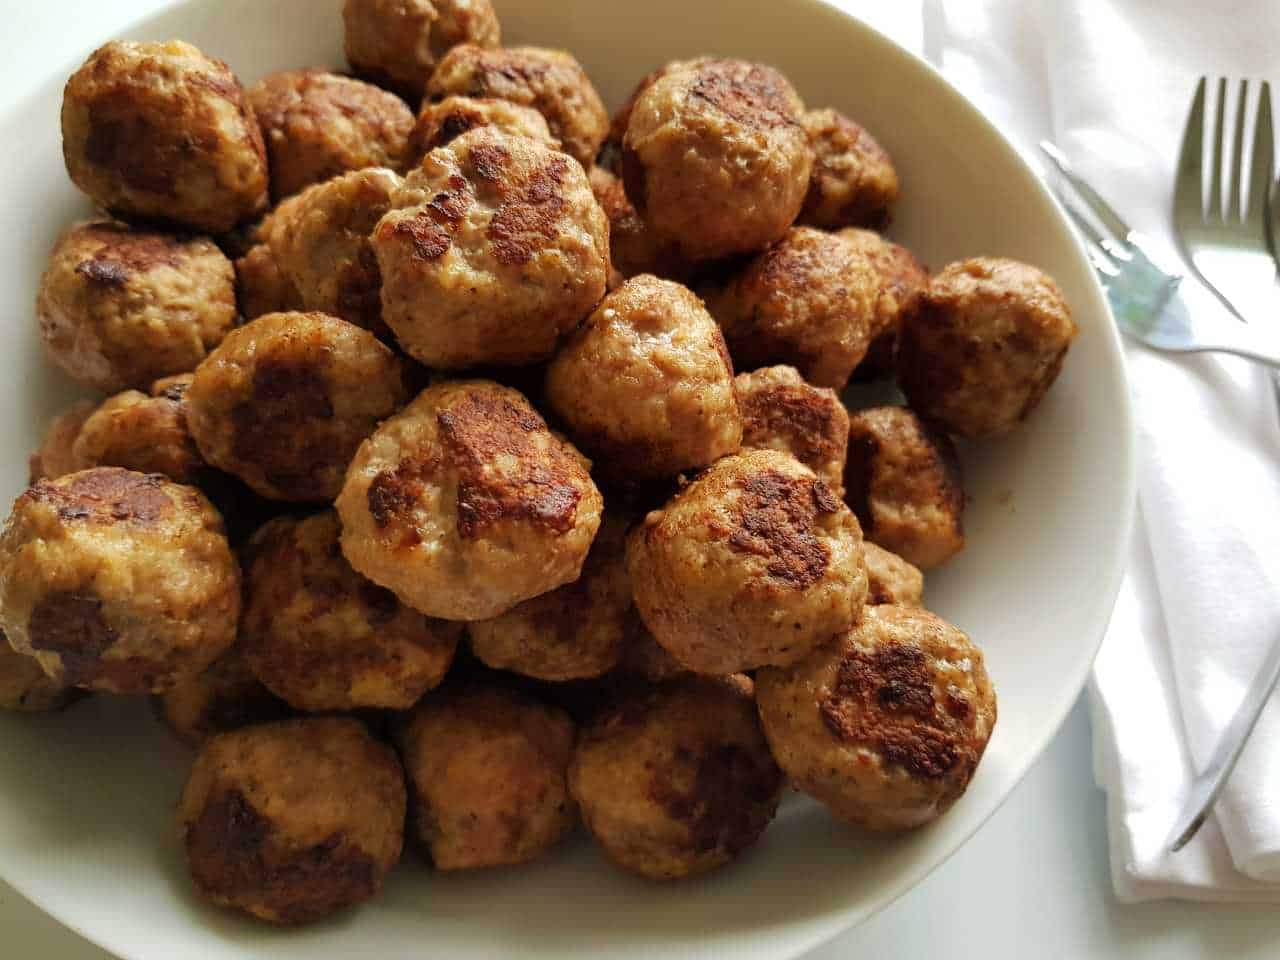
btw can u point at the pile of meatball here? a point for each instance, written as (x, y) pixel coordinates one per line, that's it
(473, 474)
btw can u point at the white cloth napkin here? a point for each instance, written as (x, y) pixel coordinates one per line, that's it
(1110, 81)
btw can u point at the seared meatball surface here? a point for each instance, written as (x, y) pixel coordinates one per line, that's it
(885, 726)
(441, 122)
(633, 248)
(985, 345)
(486, 770)
(56, 454)
(117, 581)
(890, 579)
(903, 481)
(645, 386)
(550, 81)
(322, 637)
(676, 780)
(853, 183)
(755, 562)
(119, 307)
(782, 412)
(464, 503)
(292, 821)
(715, 159)
(317, 125)
(142, 433)
(285, 401)
(261, 286)
(226, 696)
(493, 249)
(25, 687)
(160, 131)
(902, 280)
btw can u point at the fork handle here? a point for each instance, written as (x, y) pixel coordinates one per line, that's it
(1241, 340)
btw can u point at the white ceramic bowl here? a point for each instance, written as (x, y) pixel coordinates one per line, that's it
(86, 797)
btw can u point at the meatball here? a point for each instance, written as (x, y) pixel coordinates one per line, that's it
(56, 454)
(645, 386)
(442, 122)
(117, 581)
(985, 345)
(292, 821)
(901, 283)
(676, 780)
(573, 632)
(25, 687)
(486, 769)
(715, 159)
(465, 504)
(284, 402)
(808, 301)
(853, 182)
(782, 412)
(321, 245)
(120, 307)
(261, 286)
(887, 724)
(632, 246)
(227, 696)
(160, 131)
(645, 658)
(322, 637)
(494, 248)
(903, 481)
(317, 125)
(397, 43)
(890, 579)
(550, 81)
(755, 562)
(142, 433)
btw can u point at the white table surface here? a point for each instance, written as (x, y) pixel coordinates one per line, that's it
(1033, 882)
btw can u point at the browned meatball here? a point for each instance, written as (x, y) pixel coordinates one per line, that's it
(645, 658)
(676, 780)
(494, 248)
(56, 454)
(715, 159)
(292, 821)
(985, 345)
(854, 183)
(782, 412)
(645, 385)
(633, 247)
(808, 301)
(903, 481)
(142, 433)
(285, 401)
(890, 579)
(622, 116)
(465, 504)
(486, 771)
(25, 687)
(755, 562)
(322, 637)
(161, 131)
(901, 283)
(120, 307)
(317, 125)
(397, 43)
(440, 123)
(227, 696)
(261, 286)
(886, 726)
(573, 632)
(117, 581)
(550, 81)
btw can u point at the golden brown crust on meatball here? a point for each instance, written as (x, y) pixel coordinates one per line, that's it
(285, 401)
(161, 131)
(645, 385)
(174, 387)
(902, 479)
(853, 183)
(317, 125)
(985, 345)
(632, 246)
(440, 123)
(397, 43)
(295, 820)
(808, 301)
(262, 287)
(486, 771)
(886, 726)
(890, 579)
(117, 581)
(493, 249)
(322, 637)
(902, 280)
(25, 687)
(227, 696)
(715, 159)
(142, 433)
(56, 454)
(574, 632)
(550, 81)
(782, 412)
(465, 504)
(676, 780)
(120, 307)
(755, 562)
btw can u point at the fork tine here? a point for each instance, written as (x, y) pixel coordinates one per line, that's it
(1093, 240)
(1188, 199)
(1262, 167)
(1101, 209)
(1213, 209)
(1235, 197)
